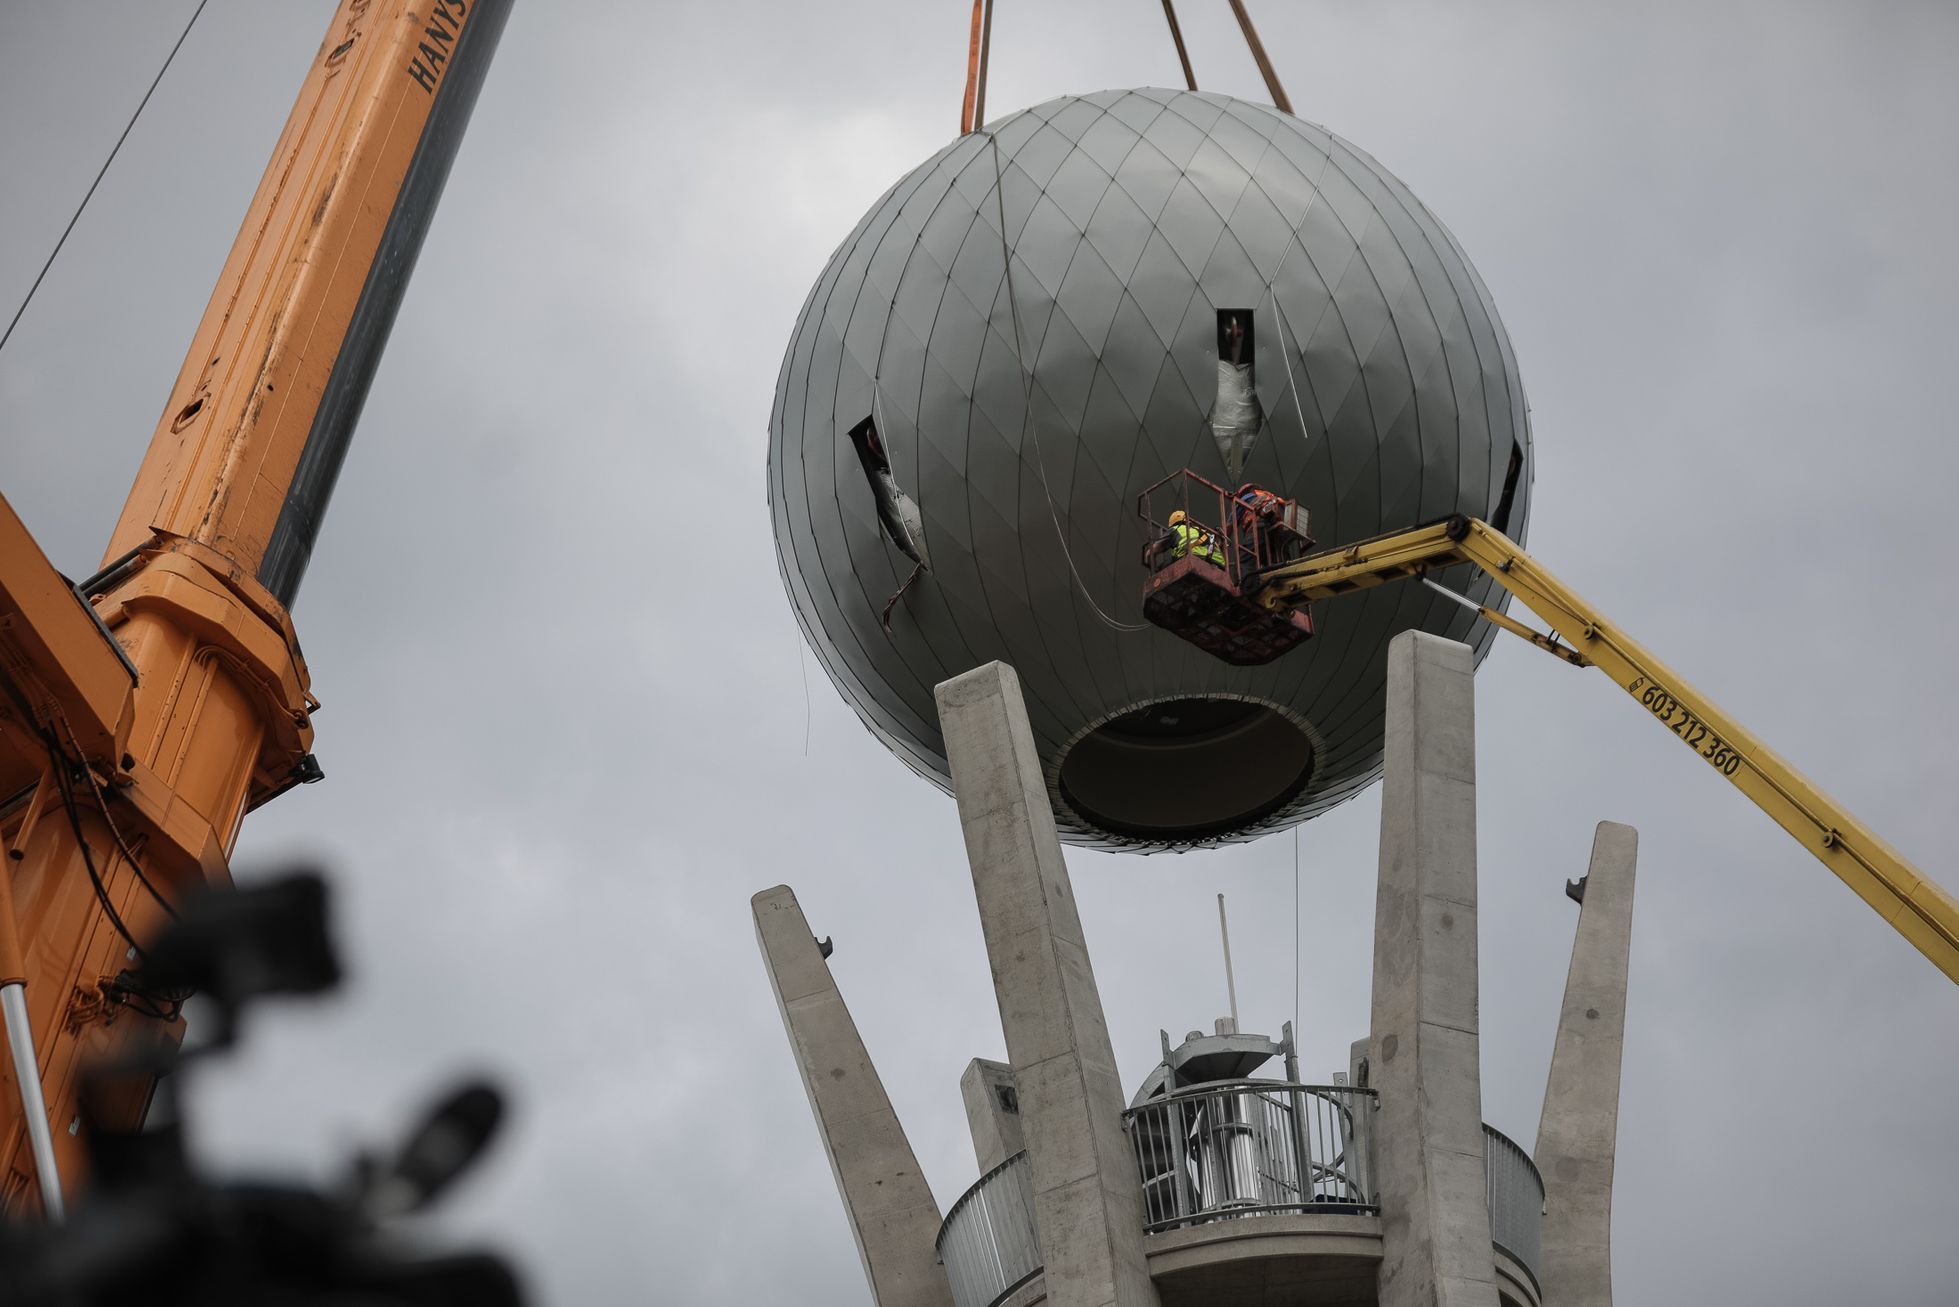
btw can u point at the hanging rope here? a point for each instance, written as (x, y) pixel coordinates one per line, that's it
(802, 665)
(1278, 309)
(1295, 934)
(1027, 398)
(1177, 35)
(973, 112)
(1258, 57)
(1285, 353)
(100, 173)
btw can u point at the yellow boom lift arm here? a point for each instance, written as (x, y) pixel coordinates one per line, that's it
(1914, 905)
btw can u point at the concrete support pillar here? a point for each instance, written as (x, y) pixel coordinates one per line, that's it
(1087, 1196)
(891, 1210)
(1428, 1137)
(992, 1112)
(1578, 1132)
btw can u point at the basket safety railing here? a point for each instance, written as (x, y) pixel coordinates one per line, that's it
(987, 1241)
(1241, 1147)
(1248, 539)
(1516, 1197)
(1209, 506)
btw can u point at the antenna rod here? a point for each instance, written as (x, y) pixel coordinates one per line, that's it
(1258, 57)
(1230, 981)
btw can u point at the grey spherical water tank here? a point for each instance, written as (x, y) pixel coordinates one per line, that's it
(1021, 415)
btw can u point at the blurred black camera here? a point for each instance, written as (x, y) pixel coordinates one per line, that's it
(153, 1229)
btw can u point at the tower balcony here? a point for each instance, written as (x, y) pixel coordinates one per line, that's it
(1215, 1186)
(1255, 1192)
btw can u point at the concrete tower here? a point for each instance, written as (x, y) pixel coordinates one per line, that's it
(1212, 1186)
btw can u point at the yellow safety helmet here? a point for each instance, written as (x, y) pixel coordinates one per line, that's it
(1178, 517)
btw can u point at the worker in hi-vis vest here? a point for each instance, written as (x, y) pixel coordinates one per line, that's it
(1186, 537)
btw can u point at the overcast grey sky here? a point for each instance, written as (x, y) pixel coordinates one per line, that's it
(565, 716)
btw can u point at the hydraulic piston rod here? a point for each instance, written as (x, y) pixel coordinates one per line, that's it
(33, 1106)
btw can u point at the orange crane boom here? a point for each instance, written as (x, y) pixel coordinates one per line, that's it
(145, 712)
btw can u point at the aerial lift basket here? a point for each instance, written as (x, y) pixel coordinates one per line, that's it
(1208, 603)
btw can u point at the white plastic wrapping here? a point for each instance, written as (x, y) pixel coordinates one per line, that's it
(1236, 416)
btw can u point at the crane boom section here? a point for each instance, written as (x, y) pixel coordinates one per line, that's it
(253, 435)
(1917, 907)
(135, 737)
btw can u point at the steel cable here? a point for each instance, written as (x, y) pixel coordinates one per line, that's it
(1027, 399)
(103, 171)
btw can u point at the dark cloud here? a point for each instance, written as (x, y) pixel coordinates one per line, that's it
(565, 713)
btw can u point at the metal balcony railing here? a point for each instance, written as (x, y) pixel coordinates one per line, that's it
(1239, 1147)
(987, 1241)
(1218, 1151)
(1516, 1197)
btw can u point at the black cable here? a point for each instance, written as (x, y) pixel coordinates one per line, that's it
(4, 338)
(59, 759)
(108, 819)
(127, 990)
(88, 861)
